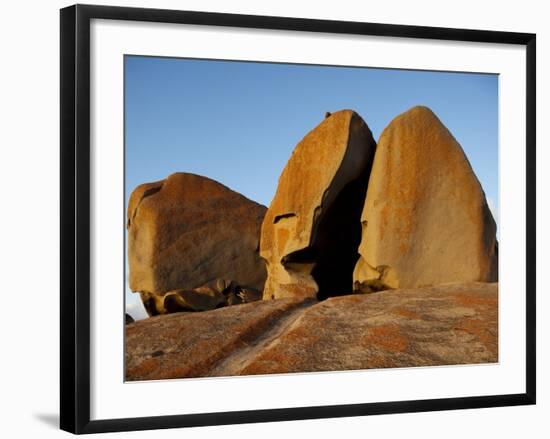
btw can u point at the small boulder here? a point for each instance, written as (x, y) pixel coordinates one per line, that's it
(215, 294)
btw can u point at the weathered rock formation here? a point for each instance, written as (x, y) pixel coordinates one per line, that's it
(190, 344)
(448, 324)
(207, 297)
(311, 230)
(188, 230)
(425, 220)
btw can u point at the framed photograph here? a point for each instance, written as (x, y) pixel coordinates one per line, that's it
(303, 218)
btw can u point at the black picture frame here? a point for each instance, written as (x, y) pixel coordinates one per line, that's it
(75, 217)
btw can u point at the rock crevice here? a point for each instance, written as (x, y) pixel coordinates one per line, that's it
(311, 231)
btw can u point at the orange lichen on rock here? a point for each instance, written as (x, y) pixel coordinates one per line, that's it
(403, 312)
(474, 300)
(388, 337)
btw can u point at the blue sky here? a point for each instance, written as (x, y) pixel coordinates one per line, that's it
(238, 122)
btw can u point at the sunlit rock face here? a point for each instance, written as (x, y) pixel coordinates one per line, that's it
(425, 220)
(311, 231)
(188, 230)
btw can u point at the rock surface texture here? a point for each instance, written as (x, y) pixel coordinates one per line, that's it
(191, 344)
(210, 296)
(425, 220)
(448, 324)
(311, 231)
(188, 230)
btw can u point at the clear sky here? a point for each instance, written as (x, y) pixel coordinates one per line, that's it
(238, 122)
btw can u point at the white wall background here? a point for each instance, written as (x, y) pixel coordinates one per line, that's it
(29, 237)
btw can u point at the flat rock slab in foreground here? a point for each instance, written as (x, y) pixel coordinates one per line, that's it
(450, 324)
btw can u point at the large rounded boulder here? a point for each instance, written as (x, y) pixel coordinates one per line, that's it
(188, 230)
(425, 220)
